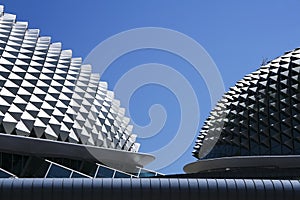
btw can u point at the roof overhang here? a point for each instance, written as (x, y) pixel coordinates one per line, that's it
(279, 161)
(118, 159)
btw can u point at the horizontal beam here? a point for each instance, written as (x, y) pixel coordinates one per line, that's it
(149, 188)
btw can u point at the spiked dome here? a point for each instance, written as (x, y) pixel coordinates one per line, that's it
(47, 94)
(260, 115)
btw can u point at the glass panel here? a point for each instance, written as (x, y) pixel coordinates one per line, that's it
(7, 161)
(121, 175)
(77, 175)
(159, 174)
(18, 164)
(136, 172)
(35, 168)
(69, 163)
(89, 168)
(4, 174)
(105, 172)
(58, 172)
(146, 173)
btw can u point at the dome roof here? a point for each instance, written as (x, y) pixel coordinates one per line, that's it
(260, 115)
(45, 93)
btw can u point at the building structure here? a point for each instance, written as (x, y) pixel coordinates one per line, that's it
(254, 130)
(64, 136)
(57, 119)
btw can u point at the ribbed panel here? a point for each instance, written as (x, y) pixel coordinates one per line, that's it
(154, 189)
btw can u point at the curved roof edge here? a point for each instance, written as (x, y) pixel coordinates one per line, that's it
(118, 159)
(279, 161)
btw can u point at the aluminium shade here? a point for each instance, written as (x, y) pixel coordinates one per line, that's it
(46, 93)
(260, 115)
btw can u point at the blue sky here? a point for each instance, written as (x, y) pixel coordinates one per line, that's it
(237, 35)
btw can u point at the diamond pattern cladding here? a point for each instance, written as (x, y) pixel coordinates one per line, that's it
(260, 115)
(45, 93)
